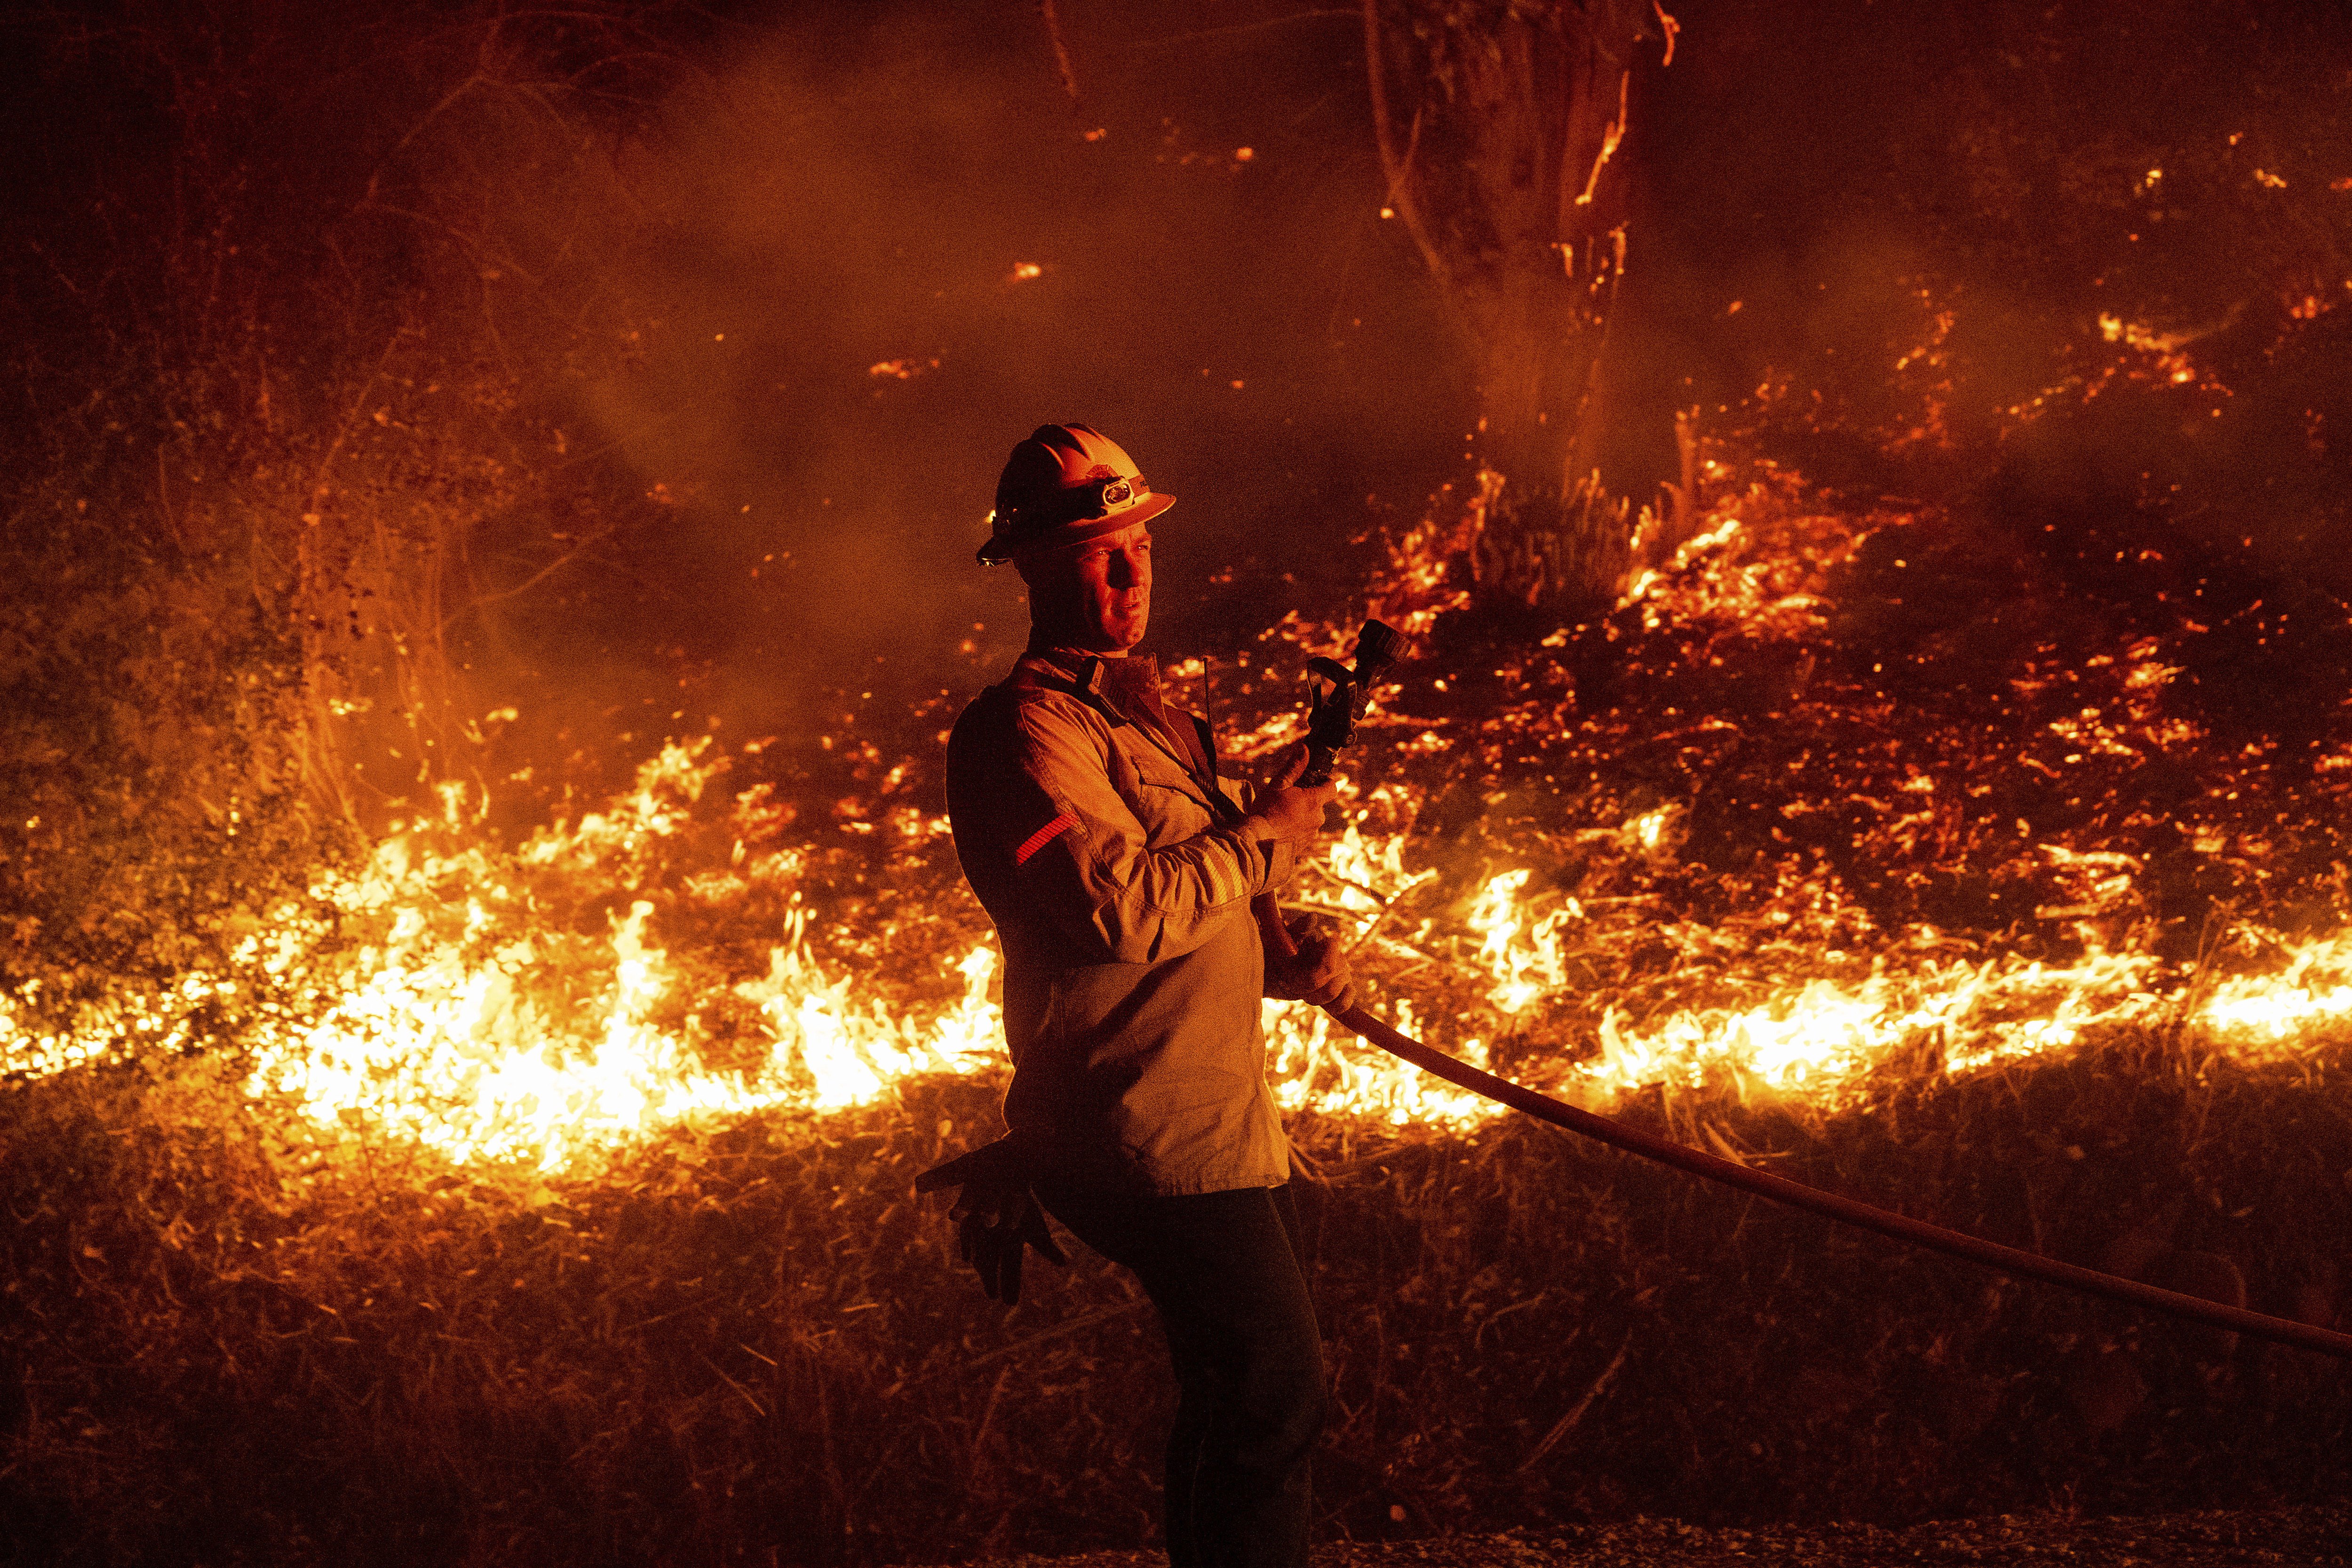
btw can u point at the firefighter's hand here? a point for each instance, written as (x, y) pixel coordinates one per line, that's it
(996, 1217)
(1319, 975)
(1288, 810)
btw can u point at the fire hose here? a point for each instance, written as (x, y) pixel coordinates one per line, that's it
(1331, 726)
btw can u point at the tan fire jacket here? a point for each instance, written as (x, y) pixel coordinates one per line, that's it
(1119, 871)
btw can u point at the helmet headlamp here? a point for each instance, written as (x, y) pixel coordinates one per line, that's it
(1065, 484)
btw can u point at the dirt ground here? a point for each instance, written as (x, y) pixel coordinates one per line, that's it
(2303, 1537)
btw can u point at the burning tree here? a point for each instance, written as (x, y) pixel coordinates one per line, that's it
(1500, 160)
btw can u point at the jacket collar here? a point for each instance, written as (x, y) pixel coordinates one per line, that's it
(1129, 685)
(1129, 689)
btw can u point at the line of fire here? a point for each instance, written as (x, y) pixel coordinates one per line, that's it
(1864, 491)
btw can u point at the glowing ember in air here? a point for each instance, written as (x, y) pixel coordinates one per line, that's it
(2163, 347)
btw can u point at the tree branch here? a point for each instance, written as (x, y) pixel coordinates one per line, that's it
(1398, 171)
(1061, 51)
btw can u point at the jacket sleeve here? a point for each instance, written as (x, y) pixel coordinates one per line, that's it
(1106, 888)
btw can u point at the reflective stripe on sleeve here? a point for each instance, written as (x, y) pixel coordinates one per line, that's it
(1043, 837)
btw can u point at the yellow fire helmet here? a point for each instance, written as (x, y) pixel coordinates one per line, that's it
(1066, 483)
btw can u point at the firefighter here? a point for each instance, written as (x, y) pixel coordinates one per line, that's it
(1118, 867)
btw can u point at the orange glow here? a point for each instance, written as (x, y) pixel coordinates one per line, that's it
(434, 1000)
(2165, 349)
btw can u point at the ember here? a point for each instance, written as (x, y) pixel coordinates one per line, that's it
(1574, 936)
(489, 580)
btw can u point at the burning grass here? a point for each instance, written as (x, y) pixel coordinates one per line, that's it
(754, 1340)
(553, 1198)
(1789, 818)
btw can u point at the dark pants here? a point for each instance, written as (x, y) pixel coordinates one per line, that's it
(1227, 1273)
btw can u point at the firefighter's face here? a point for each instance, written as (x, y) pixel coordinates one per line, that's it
(1096, 594)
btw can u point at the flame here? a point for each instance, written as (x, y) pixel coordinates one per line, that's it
(443, 1052)
(442, 1034)
(1524, 955)
(1822, 1037)
(446, 1032)
(856, 1049)
(1315, 1069)
(438, 998)
(2271, 1015)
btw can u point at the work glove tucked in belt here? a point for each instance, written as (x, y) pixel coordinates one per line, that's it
(996, 1216)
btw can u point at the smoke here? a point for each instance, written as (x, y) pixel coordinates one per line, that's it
(676, 393)
(861, 259)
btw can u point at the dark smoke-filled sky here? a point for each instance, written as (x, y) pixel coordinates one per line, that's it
(849, 192)
(792, 296)
(842, 224)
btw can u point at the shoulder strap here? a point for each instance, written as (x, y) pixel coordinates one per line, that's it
(1035, 680)
(1206, 739)
(1195, 738)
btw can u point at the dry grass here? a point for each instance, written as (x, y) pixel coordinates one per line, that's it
(748, 1344)
(751, 1346)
